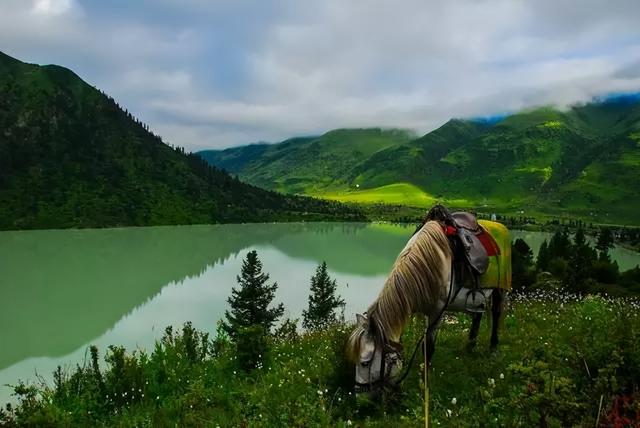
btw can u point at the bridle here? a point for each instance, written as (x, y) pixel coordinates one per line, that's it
(391, 356)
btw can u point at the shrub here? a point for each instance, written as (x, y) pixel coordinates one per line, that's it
(251, 347)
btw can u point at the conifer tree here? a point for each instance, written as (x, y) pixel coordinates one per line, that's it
(605, 243)
(560, 245)
(323, 301)
(544, 257)
(250, 302)
(522, 264)
(581, 259)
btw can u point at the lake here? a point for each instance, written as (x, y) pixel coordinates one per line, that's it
(63, 290)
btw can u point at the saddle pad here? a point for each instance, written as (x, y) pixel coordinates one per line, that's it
(490, 245)
(498, 274)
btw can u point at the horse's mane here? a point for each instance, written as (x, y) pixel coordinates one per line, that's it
(414, 285)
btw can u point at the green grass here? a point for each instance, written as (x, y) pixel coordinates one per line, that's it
(558, 356)
(396, 194)
(409, 195)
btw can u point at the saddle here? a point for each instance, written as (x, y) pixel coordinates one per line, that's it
(471, 243)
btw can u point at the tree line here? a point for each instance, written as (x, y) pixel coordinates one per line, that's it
(570, 262)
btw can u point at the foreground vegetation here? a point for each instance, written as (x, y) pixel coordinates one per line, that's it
(560, 356)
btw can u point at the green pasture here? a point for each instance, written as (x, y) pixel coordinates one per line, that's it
(560, 356)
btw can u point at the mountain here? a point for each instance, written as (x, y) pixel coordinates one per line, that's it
(583, 161)
(70, 156)
(307, 164)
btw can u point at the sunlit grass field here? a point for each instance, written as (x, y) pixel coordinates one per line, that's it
(396, 194)
(409, 195)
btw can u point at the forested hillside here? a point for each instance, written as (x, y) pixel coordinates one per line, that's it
(70, 156)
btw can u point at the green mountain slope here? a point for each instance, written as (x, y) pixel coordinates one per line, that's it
(307, 165)
(71, 157)
(584, 162)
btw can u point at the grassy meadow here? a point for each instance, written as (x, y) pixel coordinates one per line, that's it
(562, 361)
(394, 194)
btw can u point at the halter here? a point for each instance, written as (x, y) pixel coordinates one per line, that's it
(391, 355)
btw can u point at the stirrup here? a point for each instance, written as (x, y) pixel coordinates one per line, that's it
(471, 306)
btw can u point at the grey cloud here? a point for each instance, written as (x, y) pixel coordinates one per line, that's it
(628, 71)
(299, 68)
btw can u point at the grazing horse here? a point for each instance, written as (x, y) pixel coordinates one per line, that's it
(420, 282)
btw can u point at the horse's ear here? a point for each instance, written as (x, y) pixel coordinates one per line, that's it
(361, 319)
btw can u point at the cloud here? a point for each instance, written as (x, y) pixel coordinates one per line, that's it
(52, 7)
(217, 74)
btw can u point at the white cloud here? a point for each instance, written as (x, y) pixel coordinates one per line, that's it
(52, 7)
(218, 74)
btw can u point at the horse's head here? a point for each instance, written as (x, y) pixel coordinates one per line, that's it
(377, 360)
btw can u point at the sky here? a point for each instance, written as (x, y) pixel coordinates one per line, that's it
(214, 74)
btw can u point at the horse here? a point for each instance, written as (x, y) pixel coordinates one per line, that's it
(420, 282)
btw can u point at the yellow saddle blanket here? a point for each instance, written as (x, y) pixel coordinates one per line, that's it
(498, 274)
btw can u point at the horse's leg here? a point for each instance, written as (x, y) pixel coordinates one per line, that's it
(475, 328)
(497, 299)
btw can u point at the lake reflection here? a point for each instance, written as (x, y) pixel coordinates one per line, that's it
(63, 290)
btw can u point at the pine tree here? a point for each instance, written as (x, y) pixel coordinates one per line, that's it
(323, 301)
(605, 243)
(522, 264)
(250, 302)
(544, 257)
(581, 260)
(560, 245)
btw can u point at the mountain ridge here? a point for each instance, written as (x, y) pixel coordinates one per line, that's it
(583, 161)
